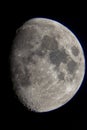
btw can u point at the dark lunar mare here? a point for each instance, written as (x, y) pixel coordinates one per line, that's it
(72, 66)
(47, 43)
(61, 76)
(75, 50)
(58, 56)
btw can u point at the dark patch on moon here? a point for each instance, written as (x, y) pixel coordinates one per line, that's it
(58, 56)
(75, 50)
(72, 66)
(61, 76)
(49, 43)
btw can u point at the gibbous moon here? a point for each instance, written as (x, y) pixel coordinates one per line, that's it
(47, 64)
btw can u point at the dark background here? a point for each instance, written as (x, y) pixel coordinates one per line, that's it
(72, 14)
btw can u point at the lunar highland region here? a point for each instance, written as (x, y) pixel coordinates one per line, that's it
(47, 64)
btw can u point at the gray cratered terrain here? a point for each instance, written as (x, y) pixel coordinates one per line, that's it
(47, 64)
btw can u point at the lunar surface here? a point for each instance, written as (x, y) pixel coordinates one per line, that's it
(47, 64)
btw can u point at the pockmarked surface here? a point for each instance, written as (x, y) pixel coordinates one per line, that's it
(47, 64)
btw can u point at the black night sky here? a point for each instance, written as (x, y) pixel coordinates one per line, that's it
(73, 15)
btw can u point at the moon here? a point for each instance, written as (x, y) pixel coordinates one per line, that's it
(47, 64)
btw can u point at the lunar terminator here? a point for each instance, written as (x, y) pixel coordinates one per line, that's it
(47, 64)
